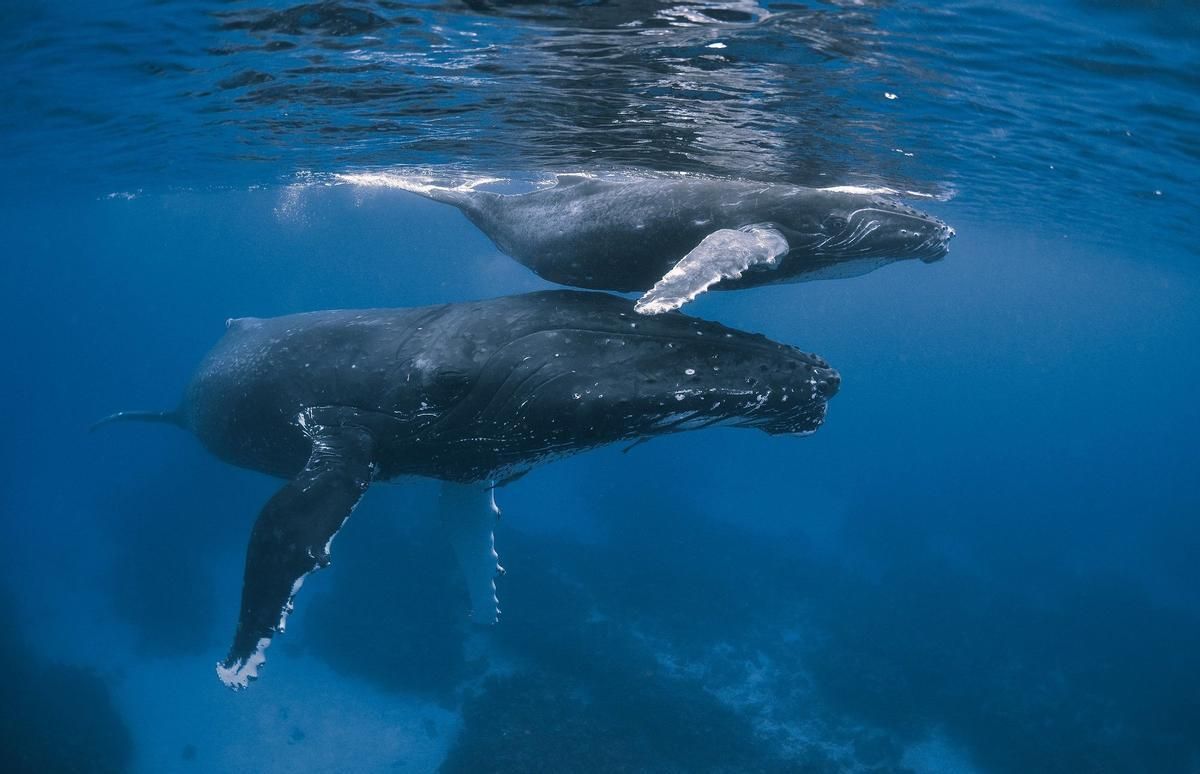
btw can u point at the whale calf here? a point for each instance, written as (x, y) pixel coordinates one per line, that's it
(470, 393)
(674, 237)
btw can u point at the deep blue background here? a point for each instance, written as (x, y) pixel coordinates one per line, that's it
(984, 561)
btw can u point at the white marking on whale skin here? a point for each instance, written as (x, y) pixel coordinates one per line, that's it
(290, 606)
(241, 673)
(683, 420)
(858, 189)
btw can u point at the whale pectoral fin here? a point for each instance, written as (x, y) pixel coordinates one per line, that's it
(294, 532)
(721, 255)
(469, 513)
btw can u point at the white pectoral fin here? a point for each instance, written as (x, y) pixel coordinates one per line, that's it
(469, 514)
(721, 255)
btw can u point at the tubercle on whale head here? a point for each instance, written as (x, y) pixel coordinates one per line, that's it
(936, 255)
(795, 410)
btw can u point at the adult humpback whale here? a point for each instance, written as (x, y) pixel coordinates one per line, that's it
(674, 237)
(469, 392)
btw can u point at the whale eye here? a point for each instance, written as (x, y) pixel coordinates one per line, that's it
(450, 384)
(833, 223)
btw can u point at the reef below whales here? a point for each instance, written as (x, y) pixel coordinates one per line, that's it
(676, 236)
(471, 393)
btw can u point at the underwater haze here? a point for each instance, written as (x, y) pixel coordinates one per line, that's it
(987, 560)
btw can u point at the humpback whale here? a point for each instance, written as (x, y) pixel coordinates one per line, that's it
(470, 393)
(674, 237)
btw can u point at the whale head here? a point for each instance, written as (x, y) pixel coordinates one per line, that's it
(844, 226)
(595, 371)
(690, 373)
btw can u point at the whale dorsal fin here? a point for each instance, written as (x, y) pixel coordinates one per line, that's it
(295, 529)
(469, 514)
(721, 255)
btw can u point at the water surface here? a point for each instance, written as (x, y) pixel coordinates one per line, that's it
(983, 562)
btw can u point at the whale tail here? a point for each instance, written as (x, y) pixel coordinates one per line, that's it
(465, 197)
(166, 417)
(438, 189)
(465, 200)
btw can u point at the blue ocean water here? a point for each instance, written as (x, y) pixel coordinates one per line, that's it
(985, 561)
